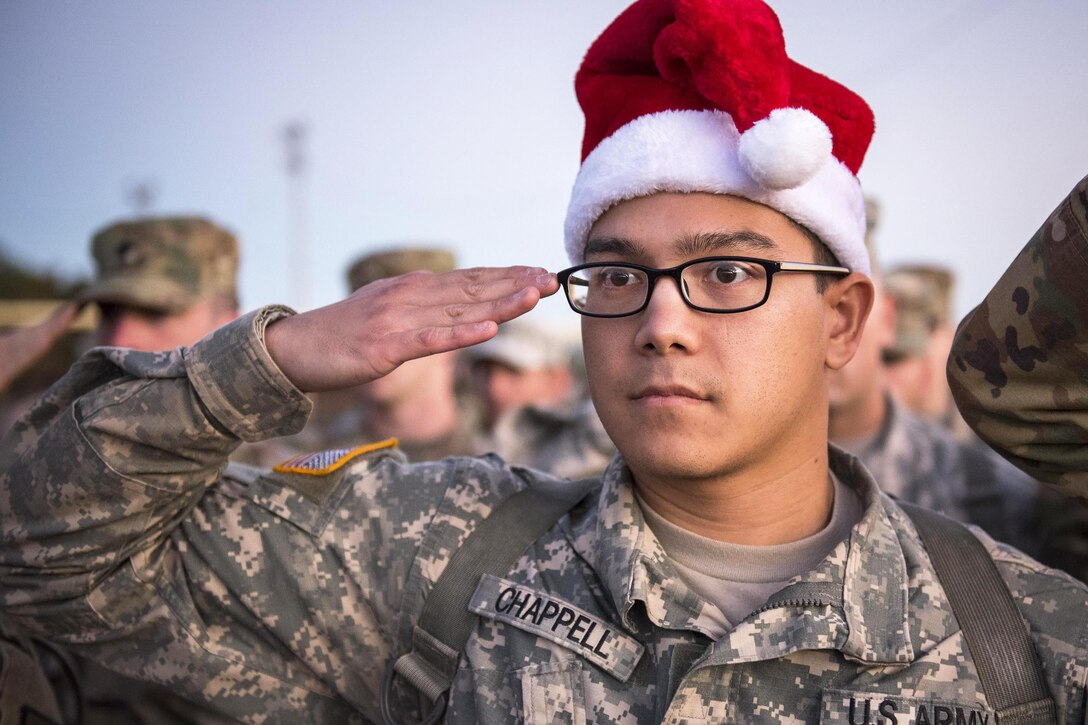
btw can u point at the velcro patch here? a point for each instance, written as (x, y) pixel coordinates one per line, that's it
(559, 621)
(325, 462)
(874, 708)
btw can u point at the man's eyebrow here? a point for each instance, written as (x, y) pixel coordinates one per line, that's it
(711, 243)
(617, 246)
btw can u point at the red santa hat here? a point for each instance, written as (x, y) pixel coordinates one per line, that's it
(699, 95)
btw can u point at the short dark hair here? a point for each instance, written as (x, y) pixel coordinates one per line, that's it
(821, 254)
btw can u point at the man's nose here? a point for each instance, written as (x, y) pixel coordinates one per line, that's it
(667, 323)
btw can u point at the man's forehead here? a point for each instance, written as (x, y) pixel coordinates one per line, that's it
(690, 244)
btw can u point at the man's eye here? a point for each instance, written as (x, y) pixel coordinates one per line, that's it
(728, 273)
(616, 277)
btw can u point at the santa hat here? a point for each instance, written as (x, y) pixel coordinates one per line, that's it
(699, 95)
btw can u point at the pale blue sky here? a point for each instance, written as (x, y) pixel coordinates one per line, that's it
(456, 122)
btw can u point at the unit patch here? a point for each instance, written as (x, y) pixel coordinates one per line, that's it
(872, 708)
(559, 621)
(323, 462)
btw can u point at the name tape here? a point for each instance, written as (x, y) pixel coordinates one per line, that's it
(558, 621)
(870, 708)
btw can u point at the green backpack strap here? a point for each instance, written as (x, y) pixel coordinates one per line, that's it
(1006, 659)
(446, 623)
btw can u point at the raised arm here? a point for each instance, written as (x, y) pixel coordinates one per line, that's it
(120, 536)
(1019, 364)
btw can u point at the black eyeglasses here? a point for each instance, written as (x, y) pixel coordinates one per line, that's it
(709, 284)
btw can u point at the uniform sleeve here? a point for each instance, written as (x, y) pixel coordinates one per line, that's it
(1019, 362)
(109, 489)
(119, 448)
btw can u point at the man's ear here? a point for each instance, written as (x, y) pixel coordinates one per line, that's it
(849, 301)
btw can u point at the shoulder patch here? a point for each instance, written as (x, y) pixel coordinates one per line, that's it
(325, 462)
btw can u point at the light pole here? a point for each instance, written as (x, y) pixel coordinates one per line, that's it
(294, 138)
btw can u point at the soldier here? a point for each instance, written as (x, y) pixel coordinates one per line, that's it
(1017, 374)
(160, 283)
(163, 282)
(534, 415)
(418, 403)
(917, 459)
(922, 295)
(730, 566)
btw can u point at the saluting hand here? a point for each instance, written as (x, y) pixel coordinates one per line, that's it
(391, 321)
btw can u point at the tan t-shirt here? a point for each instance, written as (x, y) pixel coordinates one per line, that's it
(738, 579)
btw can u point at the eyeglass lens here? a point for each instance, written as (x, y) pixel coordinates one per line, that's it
(722, 285)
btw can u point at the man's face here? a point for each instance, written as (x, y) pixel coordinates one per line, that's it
(504, 388)
(411, 381)
(687, 394)
(150, 331)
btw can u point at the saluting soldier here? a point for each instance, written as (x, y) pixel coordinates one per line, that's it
(729, 566)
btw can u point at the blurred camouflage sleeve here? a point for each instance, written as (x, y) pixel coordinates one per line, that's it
(1019, 363)
(267, 594)
(120, 447)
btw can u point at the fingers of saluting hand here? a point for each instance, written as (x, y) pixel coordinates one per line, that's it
(463, 296)
(391, 321)
(423, 313)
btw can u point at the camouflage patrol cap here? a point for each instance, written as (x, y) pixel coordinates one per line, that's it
(402, 260)
(524, 344)
(923, 302)
(164, 264)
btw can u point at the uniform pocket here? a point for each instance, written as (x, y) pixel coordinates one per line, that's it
(553, 693)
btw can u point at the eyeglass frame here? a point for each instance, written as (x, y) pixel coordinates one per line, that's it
(653, 274)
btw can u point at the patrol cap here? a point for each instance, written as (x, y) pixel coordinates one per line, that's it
(164, 264)
(923, 302)
(398, 261)
(522, 344)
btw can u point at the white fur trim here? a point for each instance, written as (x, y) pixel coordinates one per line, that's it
(688, 151)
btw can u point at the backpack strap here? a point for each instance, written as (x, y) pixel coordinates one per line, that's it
(997, 637)
(446, 623)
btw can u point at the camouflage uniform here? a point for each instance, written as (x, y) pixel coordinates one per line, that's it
(1017, 371)
(569, 442)
(281, 596)
(918, 460)
(166, 264)
(1019, 363)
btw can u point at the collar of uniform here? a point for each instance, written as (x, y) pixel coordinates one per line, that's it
(629, 559)
(870, 570)
(875, 583)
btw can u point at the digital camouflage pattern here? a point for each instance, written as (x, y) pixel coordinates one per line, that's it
(1019, 364)
(165, 264)
(400, 260)
(280, 597)
(569, 442)
(920, 461)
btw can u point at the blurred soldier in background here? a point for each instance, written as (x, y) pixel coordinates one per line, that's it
(914, 458)
(160, 283)
(922, 295)
(163, 282)
(1018, 367)
(534, 411)
(418, 403)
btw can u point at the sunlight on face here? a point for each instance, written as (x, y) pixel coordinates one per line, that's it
(688, 394)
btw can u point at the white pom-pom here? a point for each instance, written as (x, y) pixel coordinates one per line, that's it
(785, 149)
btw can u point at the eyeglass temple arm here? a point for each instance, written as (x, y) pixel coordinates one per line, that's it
(807, 267)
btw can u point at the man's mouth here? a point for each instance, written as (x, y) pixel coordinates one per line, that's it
(669, 393)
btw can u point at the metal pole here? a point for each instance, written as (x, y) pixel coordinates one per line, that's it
(294, 137)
